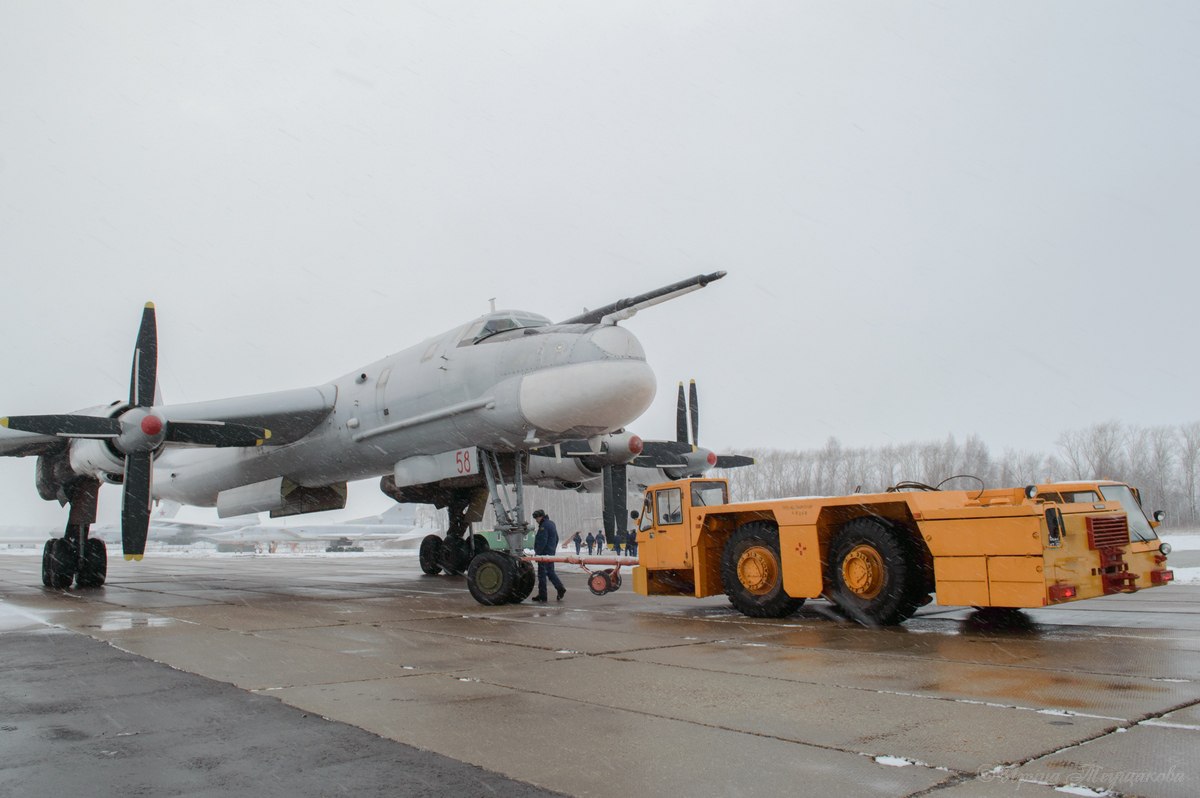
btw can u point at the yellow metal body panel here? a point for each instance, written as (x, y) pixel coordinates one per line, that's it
(961, 580)
(1016, 582)
(968, 537)
(800, 552)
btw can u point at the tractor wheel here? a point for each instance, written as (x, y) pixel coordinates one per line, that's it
(431, 554)
(95, 564)
(875, 573)
(491, 578)
(752, 572)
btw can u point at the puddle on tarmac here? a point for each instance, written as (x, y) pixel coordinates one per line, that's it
(114, 623)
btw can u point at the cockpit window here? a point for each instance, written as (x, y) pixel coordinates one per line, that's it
(501, 322)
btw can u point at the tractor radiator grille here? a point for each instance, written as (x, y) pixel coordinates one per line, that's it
(1106, 531)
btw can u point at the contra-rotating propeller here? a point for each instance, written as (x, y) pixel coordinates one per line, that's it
(682, 453)
(137, 432)
(680, 457)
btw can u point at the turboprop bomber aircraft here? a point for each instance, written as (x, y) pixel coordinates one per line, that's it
(502, 384)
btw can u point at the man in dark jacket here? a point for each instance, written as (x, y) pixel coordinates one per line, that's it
(546, 542)
(591, 541)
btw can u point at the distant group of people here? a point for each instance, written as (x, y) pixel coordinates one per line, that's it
(595, 542)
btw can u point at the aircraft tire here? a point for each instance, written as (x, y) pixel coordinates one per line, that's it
(492, 578)
(455, 557)
(752, 572)
(47, 565)
(59, 557)
(525, 582)
(874, 573)
(95, 564)
(430, 555)
(480, 543)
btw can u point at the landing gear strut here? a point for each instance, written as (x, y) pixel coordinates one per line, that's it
(501, 577)
(75, 557)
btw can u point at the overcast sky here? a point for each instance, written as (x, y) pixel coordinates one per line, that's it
(937, 218)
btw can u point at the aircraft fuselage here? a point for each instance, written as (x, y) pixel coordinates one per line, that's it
(508, 389)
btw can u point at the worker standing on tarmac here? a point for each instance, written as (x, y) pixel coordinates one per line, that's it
(599, 541)
(591, 541)
(546, 542)
(577, 539)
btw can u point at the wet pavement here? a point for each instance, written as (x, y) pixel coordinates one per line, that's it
(613, 695)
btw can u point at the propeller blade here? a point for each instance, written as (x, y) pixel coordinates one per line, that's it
(135, 504)
(681, 418)
(67, 426)
(734, 461)
(216, 433)
(607, 505)
(145, 361)
(694, 407)
(614, 499)
(618, 500)
(663, 453)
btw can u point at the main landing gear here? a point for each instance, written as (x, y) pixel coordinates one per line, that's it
(454, 553)
(75, 557)
(502, 577)
(64, 561)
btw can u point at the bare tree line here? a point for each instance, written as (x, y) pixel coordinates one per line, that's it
(1162, 461)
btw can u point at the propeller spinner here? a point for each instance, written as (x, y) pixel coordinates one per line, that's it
(138, 433)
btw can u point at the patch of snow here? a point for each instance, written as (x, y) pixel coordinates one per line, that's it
(894, 761)
(1075, 789)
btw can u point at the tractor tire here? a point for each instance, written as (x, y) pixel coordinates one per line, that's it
(492, 577)
(430, 555)
(95, 564)
(875, 573)
(752, 573)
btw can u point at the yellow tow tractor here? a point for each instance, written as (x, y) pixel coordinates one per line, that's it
(881, 556)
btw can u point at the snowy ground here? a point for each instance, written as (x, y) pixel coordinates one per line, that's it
(1180, 542)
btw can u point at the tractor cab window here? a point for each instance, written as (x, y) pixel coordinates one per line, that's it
(494, 324)
(709, 494)
(1071, 496)
(647, 519)
(1139, 526)
(670, 506)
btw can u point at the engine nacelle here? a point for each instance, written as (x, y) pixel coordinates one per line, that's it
(567, 472)
(280, 497)
(94, 458)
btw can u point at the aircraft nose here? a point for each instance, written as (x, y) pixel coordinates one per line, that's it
(587, 398)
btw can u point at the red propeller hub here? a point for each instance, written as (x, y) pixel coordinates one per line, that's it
(712, 459)
(152, 425)
(635, 444)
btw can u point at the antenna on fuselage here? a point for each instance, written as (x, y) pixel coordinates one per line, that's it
(492, 302)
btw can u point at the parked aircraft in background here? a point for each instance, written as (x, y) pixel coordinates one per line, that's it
(499, 385)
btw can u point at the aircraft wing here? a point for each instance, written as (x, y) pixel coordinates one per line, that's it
(23, 444)
(289, 415)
